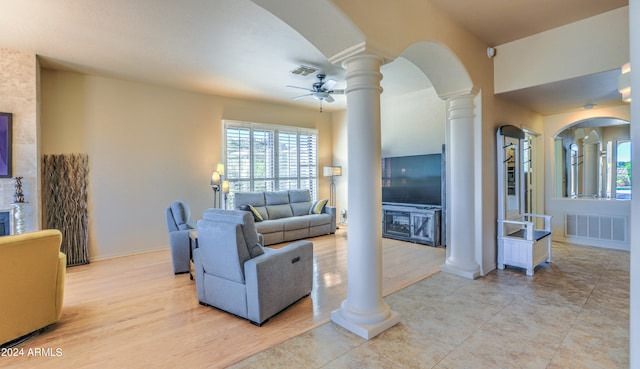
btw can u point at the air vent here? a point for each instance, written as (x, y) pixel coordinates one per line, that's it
(598, 227)
(304, 71)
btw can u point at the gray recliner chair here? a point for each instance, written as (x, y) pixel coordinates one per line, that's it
(179, 225)
(234, 273)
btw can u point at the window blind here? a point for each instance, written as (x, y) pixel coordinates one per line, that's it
(262, 157)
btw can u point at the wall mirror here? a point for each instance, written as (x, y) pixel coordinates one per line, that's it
(593, 160)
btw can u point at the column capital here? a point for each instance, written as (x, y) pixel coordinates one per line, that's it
(363, 48)
(453, 95)
(363, 73)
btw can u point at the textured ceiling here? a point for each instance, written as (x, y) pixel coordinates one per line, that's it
(234, 47)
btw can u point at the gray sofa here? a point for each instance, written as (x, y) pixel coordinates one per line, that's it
(286, 215)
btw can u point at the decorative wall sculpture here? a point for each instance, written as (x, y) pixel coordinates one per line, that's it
(65, 198)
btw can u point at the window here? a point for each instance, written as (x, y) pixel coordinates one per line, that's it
(623, 169)
(261, 157)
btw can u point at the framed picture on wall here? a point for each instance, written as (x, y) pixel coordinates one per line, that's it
(5, 145)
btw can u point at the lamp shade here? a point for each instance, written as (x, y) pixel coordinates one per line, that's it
(331, 171)
(215, 179)
(225, 186)
(220, 169)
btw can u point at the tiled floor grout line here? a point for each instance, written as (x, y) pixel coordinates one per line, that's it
(571, 326)
(575, 293)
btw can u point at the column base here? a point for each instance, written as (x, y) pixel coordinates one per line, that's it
(366, 331)
(452, 269)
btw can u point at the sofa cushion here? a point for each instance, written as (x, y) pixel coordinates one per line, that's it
(318, 206)
(276, 197)
(296, 223)
(299, 196)
(249, 198)
(319, 219)
(279, 211)
(276, 225)
(300, 208)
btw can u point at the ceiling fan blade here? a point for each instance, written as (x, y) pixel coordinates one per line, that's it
(329, 98)
(339, 91)
(329, 85)
(301, 88)
(300, 97)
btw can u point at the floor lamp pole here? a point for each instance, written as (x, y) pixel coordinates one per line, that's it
(215, 196)
(332, 192)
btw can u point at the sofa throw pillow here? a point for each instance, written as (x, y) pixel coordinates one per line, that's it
(318, 206)
(256, 214)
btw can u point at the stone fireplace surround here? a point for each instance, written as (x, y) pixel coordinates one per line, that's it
(19, 80)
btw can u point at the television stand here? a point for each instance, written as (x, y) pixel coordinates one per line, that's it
(412, 222)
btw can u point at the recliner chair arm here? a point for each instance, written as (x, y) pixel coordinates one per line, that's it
(179, 244)
(277, 279)
(331, 210)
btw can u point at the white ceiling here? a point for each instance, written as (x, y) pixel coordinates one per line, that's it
(236, 48)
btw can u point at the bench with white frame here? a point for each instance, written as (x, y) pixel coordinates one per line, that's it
(520, 243)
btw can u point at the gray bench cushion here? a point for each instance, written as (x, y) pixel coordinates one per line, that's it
(537, 234)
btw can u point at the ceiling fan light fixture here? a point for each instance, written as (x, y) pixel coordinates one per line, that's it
(320, 95)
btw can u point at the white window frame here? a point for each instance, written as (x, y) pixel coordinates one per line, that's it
(276, 129)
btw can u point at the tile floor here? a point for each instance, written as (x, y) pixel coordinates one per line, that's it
(573, 313)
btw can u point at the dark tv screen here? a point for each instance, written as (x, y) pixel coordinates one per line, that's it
(412, 179)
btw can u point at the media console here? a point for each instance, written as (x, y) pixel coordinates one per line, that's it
(414, 223)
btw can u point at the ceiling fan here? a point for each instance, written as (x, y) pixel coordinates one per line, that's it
(321, 90)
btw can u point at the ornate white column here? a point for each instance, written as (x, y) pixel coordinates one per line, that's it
(364, 312)
(461, 190)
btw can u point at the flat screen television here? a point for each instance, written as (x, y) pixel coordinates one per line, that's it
(413, 179)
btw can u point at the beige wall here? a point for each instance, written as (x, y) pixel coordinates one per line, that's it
(412, 123)
(592, 45)
(148, 146)
(18, 95)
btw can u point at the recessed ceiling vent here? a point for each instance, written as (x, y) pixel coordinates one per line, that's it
(304, 71)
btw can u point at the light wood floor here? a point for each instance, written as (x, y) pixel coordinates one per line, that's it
(132, 312)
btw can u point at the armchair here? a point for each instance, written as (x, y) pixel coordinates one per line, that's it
(179, 224)
(234, 273)
(32, 270)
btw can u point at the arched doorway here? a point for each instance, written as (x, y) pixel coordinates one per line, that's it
(364, 312)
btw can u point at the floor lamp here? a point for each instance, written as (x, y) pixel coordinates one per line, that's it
(215, 183)
(332, 172)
